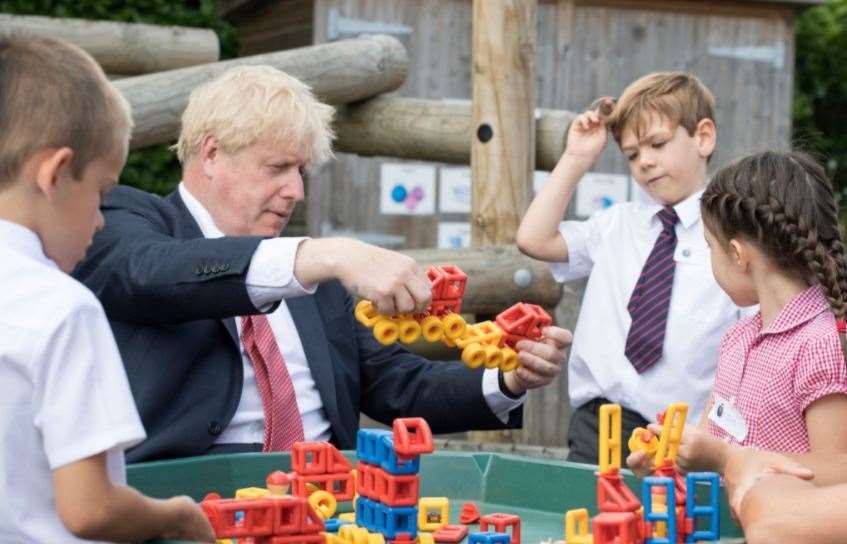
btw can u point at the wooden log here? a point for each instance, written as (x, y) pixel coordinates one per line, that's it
(433, 130)
(125, 48)
(503, 151)
(338, 72)
(498, 276)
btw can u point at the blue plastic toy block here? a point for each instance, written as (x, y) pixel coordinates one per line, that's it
(369, 445)
(332, 524)
(710, 511)
(489, 538)
(391, 464)
(668, 517)
(397, 519)
(367, 514)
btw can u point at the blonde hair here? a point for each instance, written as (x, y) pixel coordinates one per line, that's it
(679, 97)
(53, 95)
(247, 104)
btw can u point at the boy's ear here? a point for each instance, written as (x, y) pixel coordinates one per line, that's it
(54, 168)
(706, 135)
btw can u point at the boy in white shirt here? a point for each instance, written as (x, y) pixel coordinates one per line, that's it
(652, 315)
(66, 411)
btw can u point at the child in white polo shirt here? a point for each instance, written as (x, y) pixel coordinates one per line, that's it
(66, 411)
(652, 315)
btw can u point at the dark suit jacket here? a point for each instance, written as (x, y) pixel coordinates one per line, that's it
(171, 297)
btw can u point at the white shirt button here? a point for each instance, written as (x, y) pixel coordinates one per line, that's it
(686, 252)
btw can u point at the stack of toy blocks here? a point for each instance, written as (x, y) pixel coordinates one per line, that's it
(321, 465)
(272, 520)
(387, 478)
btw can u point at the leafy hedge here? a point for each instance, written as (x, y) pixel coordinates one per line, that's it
(154, 168)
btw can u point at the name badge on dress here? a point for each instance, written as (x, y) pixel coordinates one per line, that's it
(725, 415)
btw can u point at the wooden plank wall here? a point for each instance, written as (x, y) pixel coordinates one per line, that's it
(585, 49)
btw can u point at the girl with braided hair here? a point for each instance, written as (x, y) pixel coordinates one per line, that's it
(771, 223)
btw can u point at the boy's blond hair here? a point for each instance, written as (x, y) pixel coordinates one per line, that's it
(54, 95)
(679, 97)
(247, 104)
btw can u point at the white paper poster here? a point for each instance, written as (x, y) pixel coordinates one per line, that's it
(407, 189)
(454, 195)
(454, 235)
(598, 191)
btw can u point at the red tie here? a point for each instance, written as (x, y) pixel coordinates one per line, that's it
(283, 426)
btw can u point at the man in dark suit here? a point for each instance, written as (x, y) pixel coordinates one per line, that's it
(178, 275)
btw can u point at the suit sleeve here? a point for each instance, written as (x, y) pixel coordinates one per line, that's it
(143, 273)
(397, 383)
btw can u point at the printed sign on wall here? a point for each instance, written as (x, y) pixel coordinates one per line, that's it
(454, 195)
(407, 189)
(454, 235)
(598, 191)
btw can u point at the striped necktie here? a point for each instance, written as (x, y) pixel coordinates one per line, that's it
(650, 301)
(283, 425)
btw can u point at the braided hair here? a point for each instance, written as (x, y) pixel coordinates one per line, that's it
(784, 203)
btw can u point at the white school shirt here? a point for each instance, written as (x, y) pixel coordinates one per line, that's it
(64, 395)
(270, 278)
(611, 248)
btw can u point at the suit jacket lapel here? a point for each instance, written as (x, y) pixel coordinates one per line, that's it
(187, 229)
(307, 319)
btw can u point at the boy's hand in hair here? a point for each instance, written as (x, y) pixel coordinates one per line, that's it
(587, 137)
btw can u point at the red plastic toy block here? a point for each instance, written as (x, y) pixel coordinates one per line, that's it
(448, 282)
(450, 534)
(412, 436)
(290, 515)
(335, 460)
(668, 470)
(470, 513)
(402, 538)
(522, 320)
(366, 480)
(340, 484)
(298, 539)
(309, 457)
(615, 528)
(501, 523)
(613, 495)
(397, 490)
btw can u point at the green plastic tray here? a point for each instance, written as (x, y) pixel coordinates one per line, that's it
(539, 491)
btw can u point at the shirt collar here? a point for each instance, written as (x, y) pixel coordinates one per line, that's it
(199, 212)
(688, 210)
(802, 308)
(23, 240)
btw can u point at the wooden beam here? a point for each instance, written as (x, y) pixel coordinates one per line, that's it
(433, 130)
(338, 72)
(498, 276)
(503, 149)
(125, 48)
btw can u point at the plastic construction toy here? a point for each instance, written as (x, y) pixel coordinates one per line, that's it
(669, 514)
(491, 343)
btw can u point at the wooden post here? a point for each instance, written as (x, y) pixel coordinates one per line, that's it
(125, 48)
(433, 130)
(338, 72)
(503, 150)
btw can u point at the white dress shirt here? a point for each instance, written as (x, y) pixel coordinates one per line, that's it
(611, 248)
(64, 394)
(270, 278)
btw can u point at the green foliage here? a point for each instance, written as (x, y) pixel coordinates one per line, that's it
(154, 168)
(820, 103)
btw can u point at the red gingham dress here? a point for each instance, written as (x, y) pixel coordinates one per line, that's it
(772, 376)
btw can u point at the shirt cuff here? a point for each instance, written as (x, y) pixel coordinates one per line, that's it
(270, 277)
(499, 403)
(578, 265)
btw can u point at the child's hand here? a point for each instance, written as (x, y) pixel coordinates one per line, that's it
(698, 450)
(587, 137)
(640, 463)
(746, 466)
(192, 524)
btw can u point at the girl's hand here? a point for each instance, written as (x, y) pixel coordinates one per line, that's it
(587, 137)
(640, 463)
(746, 466)
(699, 450)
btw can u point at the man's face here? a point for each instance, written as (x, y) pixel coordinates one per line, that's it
(666, 161)
(254, 191)
(76, 213)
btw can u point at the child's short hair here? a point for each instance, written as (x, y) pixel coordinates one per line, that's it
(52, 95)
(680, 97)
(249, 103)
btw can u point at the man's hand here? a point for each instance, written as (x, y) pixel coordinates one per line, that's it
(540, 361)
(746, 466)
(393, 282)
